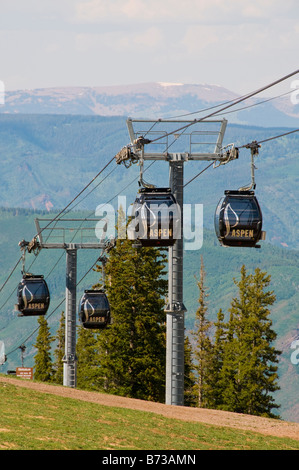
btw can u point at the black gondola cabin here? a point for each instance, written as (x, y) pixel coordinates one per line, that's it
(33, 295)
(94, 309)
(238, 219)
(156, 218)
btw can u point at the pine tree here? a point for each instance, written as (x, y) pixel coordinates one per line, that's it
(43, 369)
(214, 383)
(203, 345)
(59, 351)
(89, 375)
(132, 349)
(249, 371)
(190, 396)
(229, 372)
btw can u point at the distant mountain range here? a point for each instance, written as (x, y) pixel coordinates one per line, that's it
(148, 100)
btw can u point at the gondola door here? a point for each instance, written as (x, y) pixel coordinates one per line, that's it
(33, 296)
(156, 218)
(94, 310)
(238, 220)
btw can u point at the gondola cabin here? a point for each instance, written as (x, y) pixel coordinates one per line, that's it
(94, 310)
(238, 219)
(33, 296)
(156, 218)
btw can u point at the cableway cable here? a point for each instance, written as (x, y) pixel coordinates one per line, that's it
(243, 98)
(272, 138)
(59, 214)
(255, 104)
(79, 194)
(11, 273)
(229, 112)
(243, 146)
(202, 171)
(227, 102)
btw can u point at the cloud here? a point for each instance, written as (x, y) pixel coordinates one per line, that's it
(150, 10)
(244, 45)
(212, 11)
(142, 41)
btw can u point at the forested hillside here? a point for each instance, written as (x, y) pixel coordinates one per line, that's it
(47, 159)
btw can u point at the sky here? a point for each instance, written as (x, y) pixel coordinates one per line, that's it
(240, 45)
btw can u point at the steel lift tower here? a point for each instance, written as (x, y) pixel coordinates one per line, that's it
(189, 141)
(59, 238)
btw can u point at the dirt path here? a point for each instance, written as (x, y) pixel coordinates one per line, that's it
(219, 418)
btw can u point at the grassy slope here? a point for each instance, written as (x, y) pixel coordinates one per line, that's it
(31, 420)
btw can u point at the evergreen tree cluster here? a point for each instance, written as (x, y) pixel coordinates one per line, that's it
(235, 370)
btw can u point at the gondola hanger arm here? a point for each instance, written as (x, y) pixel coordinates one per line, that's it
(254, 148)
(141, 181)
